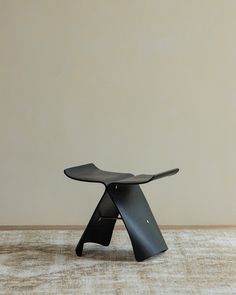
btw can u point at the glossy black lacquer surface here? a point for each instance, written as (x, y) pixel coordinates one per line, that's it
(123, 196)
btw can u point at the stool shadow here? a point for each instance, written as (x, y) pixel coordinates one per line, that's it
(39, 251)
(109, 255)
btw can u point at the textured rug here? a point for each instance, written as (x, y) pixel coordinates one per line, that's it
(44, 261)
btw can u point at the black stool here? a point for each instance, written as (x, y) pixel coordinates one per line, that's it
(122, 197)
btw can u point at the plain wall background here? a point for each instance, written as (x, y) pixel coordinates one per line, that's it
(135, 86)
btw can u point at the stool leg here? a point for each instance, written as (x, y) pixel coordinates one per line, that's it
(145, 235)
(99, 230)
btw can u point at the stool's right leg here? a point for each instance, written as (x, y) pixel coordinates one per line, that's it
(145, 235)
(99, 230)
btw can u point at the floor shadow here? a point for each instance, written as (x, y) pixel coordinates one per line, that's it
(43, 248)
(25, 251)
(107, 254)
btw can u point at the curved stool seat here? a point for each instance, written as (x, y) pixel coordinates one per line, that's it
(91, 173)
(122, 197)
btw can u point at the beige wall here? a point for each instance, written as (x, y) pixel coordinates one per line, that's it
(139, 86)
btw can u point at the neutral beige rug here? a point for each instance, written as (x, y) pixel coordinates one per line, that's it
(197, 262)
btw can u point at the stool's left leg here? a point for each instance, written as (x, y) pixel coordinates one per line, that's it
(99, 230)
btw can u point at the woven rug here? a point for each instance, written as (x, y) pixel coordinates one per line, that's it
(44, 261)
